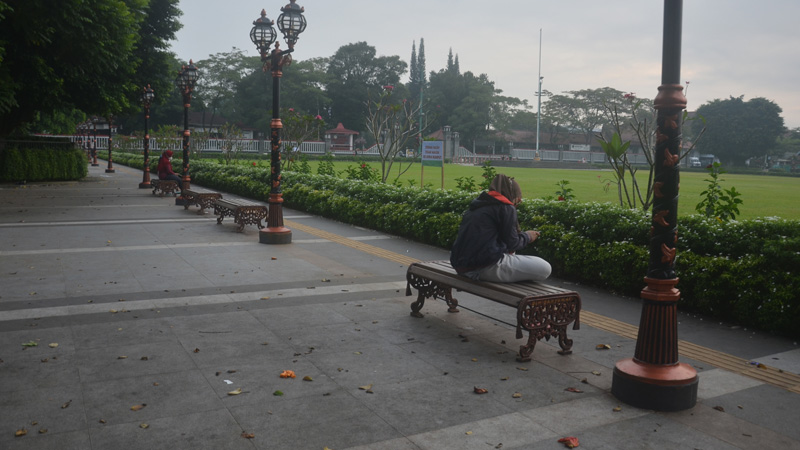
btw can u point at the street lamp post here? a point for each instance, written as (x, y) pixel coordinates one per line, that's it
(653, 378)
(147, 98)
(110, 168)
(94, 143)
(291, 23)
(185, 81)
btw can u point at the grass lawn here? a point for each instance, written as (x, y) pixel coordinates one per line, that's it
(762, 196)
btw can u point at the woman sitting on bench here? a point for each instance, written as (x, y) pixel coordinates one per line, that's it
(490, 235)
(165, 169)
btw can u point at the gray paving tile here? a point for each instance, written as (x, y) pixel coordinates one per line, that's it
(104, 363)
(68, 440)
(767, 406)
(205, 430)
(335, 421)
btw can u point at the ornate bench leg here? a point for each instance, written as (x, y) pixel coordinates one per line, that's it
(525, 351)
(417, 305)
(452, 303)
(564, 342)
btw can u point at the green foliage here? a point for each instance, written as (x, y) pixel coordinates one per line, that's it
(297, 128)
(738, 130)
(564, 193)
(26, 163)
(303, 166)
(488, 175)
(362, 172)
(466, 184)
(325, 166)
(721, 204)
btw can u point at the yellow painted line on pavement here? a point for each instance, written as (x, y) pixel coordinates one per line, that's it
(765, 374)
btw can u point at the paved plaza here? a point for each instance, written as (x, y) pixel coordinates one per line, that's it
(127, 322)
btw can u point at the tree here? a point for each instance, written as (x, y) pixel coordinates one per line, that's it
(48, 48)
(222, 73)
(297, 128)
(584, 110)
(355, 70)
(738, 130)
(393, 125)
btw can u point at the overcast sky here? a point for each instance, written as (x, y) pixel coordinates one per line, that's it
(730, 47)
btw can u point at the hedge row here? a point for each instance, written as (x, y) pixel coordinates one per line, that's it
(743, 272)
(21, 164)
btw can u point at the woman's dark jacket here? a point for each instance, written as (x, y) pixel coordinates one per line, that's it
(488, 230)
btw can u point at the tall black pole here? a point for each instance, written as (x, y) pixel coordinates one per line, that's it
(146, 97)
(653, 378)
(110, 168)
(276, 232)
(94, 143)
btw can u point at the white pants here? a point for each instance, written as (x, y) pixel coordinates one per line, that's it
(512, 268)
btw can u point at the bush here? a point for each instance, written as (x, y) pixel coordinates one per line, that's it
(29, 162)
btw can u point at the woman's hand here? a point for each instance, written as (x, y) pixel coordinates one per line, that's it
(533, 235)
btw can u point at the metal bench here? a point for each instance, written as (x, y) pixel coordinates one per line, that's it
(163, 187)
(542, 310)
(243, 212)
(204, 198)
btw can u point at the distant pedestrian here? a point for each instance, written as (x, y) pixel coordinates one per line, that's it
(489, 236)
(165, 168)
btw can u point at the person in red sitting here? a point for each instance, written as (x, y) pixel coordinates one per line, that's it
(165, 169)
(489, 236)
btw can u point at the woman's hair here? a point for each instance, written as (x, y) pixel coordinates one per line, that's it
(507, 187)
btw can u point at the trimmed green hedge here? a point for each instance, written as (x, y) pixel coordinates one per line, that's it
(19, 163)
(744, 272)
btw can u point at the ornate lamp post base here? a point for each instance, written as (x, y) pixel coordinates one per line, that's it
(277, 235)
(275, 232)
(144, 185)
(657, 387)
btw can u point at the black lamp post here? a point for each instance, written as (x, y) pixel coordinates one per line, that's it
(185, 81)
(94, 142)
(110, 168)
(653, 378)
(147, 98)
(291, 23)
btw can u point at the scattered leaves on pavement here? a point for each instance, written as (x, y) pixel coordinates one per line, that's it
(53, 345)
(719, 408)
(307, 378)
(66, 405)
(248, 435)
(20, 432)
(573, 389)
(516, 395)
(367, 388)
(235, 392)
(569, 442)
(478, 390)
(617, 408)
(143, 425)
(288, 374)
(138, 407)
(603, 347)
(278, 393)
(30, 344)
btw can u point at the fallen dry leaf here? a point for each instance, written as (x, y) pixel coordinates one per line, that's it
(524, 369)
(603, 347)
(719, 408)
(573, 389)
(43, 431)
(594, 372)
(365, 388)
(66, 405)
(235, 392)
(569, 442)
(248, 435)
(197, 350)
(288, 374)
(468, 433)
(617, 409)
(307, 378)
(277, 393)
(504, 379)
(138, 407)
(122, 357)
(144, 425)
(478, 390)
(516, 395)
(53, 345)
(21, 432)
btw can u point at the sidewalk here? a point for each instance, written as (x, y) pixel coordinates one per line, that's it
(129, 322)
